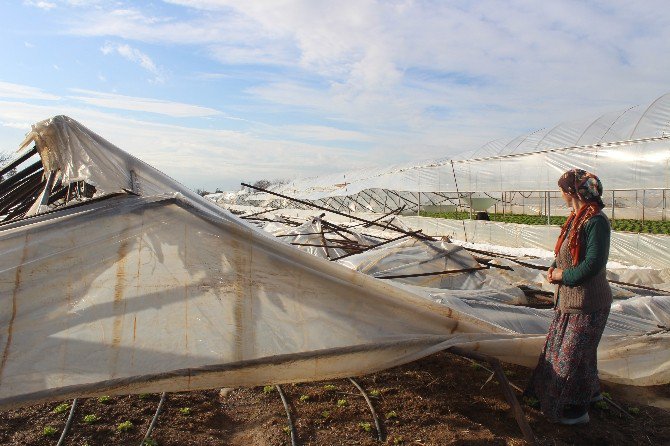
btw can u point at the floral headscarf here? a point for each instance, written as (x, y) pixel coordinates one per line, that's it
(582, 183)
(589, 189)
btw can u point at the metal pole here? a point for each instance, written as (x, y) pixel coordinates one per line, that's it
(548, 208)
(637, 199)
(612, 205)
(470, 205)
(663, 210)
(644, 195)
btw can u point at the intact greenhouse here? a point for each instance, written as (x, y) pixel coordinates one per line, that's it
(628, 149)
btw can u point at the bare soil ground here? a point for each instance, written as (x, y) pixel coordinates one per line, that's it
(436, 401)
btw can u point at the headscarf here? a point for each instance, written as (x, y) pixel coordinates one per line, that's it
(589, 189)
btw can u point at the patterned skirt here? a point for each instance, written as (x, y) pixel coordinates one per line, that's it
(567, 371)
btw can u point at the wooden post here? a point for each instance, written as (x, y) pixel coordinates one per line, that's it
(526, 430)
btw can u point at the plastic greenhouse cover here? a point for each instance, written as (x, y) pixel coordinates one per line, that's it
(166, 291)
(628, 149)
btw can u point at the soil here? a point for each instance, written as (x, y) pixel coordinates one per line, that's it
(440, 400)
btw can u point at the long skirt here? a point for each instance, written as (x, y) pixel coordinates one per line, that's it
(567, 371)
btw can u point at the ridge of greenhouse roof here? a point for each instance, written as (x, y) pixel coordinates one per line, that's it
(635, 124)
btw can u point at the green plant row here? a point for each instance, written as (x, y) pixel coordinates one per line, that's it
(647, 226)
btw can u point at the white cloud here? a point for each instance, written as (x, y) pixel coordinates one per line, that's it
(168, 108)
(18, 91)
(136, 56)
(198, 157)
(16, 125)
(373, 59)
(323, 133)
(417, 78)
(41, 4)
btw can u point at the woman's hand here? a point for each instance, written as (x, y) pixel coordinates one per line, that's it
(550, 274)
(555, 275)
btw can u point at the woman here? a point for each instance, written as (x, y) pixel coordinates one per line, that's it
(565, 380)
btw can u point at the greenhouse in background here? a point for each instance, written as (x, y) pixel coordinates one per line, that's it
(628, 149)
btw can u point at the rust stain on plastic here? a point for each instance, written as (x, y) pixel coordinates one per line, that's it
(118, 293)
(10, 326)
(186, 328)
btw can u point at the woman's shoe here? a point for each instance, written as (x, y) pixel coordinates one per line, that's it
(575, 415)
(578, 420)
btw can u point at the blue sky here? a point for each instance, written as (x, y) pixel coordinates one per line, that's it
(214, 92)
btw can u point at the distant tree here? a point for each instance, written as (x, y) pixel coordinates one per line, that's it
(218, 191)
(202, 192)
(262, 184)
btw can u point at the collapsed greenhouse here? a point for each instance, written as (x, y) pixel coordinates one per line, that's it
(116, 279)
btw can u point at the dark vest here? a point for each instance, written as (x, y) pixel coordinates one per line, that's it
(592, 295)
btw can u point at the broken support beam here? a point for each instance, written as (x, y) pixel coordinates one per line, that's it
(413, 234)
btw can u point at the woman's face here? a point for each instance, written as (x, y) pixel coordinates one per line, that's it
(566, 197)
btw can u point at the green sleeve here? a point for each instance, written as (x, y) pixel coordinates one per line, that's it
(597, 232)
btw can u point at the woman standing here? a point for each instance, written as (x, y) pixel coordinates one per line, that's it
(565, 380)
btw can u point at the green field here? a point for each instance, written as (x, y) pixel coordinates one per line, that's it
(648, 226)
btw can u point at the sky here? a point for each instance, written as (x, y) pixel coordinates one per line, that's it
(216, 92)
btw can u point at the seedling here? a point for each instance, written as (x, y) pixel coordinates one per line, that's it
(601, 405)
(144, 396)
(391, 414)
(531, 401)
(105, 399)
(149, 442)
(510, 373)
(325, 413)
(186, 411)
(367, 427)
(125, 426)
(475, 365)
(606, 395)
(287, 429)
(375, 393)
(341, 403)
(91, 418)
(49, 431)
(398, 440)
(268, 389)
(61, 408)
(304, 398)
(329, 387)
(634, 410)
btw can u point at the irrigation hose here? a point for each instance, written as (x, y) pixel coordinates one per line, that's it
(294, 434)
(68, 423)
(154, 419)
(381, 433)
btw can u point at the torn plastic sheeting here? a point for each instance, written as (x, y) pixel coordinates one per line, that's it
(415, 257)
(655, 308)
(82, 155)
